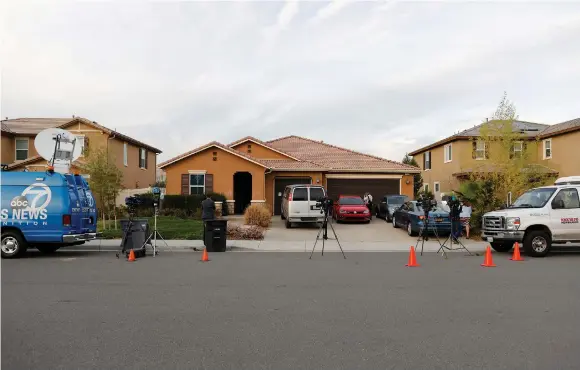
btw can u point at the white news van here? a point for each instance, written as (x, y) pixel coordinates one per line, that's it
(537, 219)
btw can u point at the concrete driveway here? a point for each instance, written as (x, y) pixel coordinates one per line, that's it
(377, 231)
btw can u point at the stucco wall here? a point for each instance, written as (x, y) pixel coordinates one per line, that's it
(133, 176)
(565, 154)
(259, 151)
(7, 149)
(223, 171)
(407, 189)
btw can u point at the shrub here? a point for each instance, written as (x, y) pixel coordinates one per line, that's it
(191, 203)
(257, 215)
(188, 203)
(246, 232)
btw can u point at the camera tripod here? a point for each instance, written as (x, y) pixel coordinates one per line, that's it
(324, 230)
(424, 235)
(155, 233)
(451, 238)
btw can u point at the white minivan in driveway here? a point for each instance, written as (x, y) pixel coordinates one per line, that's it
(299, 204)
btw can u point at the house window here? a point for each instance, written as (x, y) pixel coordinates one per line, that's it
(249, 148)
(197, 184)
(21, 149)
(447, 153)
(427, 161)
(548, 149)
(125, 156)
(81, 143)
(426, 188)
(142, 158)
(436, 187)
(518, 148)
(480, 150)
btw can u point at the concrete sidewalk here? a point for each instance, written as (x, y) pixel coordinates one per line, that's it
(288, 246)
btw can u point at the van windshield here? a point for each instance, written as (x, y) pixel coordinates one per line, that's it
(535, 198)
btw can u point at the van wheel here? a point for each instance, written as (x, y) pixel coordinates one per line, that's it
(288, 224)
(502, 247)
(537, 243)
(13, 244)
(47, 249)
(394, 222)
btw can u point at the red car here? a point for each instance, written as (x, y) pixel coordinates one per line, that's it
(350, 208)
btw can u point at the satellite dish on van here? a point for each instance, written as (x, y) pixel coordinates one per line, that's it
(59, 147)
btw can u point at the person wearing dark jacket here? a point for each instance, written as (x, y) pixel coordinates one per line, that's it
(207, 212)
(207, 209)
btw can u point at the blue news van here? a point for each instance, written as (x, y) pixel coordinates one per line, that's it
(45, 210)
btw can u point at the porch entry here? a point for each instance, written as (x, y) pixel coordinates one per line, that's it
(242, 191)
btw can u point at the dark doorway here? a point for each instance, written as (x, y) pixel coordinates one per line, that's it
(242, 191)
(280, 184)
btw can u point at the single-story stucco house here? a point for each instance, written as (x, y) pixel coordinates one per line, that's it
(251, 171)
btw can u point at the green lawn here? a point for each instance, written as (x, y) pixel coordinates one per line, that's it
(169, 227)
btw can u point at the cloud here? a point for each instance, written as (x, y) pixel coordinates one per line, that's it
(287, 13)
(379, 77)
(329, 10)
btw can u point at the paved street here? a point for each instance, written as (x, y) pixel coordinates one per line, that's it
(283, 311)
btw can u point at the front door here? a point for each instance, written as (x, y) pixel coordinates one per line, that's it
(280, 184)
(565, 215)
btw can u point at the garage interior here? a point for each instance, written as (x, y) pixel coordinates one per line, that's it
(377, 187)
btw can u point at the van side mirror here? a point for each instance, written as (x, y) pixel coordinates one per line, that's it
(558, 204)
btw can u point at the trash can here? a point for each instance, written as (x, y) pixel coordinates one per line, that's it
(215, 235)
(139, 233)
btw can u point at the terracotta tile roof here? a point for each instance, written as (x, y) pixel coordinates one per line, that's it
(33, 160)
(32, 126)
(209, 145)
(561, 128)
(5, 128)
(530, 129)
(335, 158)
(291, 165)
(251, 138)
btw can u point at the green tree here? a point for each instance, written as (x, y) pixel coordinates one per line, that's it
(417, 178)
(507, 167)
(105, 178)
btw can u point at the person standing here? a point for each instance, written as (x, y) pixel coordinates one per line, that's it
(465, 217)
(207, 212)
(368, 199)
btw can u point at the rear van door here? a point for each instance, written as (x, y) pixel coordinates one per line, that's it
(299, 204)
(315, 194)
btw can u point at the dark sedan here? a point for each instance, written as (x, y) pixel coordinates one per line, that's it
(412, 217)
(388, 205)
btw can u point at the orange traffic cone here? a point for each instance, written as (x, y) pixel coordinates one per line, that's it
(488, 262)
(131, 256)
(516, 256)
(412, 259)
(204, 256)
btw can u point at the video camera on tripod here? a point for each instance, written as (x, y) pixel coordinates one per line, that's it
(427, 203)
(135, 232)
(325, 204)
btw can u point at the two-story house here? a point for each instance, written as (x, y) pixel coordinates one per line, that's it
(449, 161)
(137, 160)
(559, 147)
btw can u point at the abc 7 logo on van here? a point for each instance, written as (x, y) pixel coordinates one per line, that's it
(39, 191)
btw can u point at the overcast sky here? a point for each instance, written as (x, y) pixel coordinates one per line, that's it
(378, 77)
